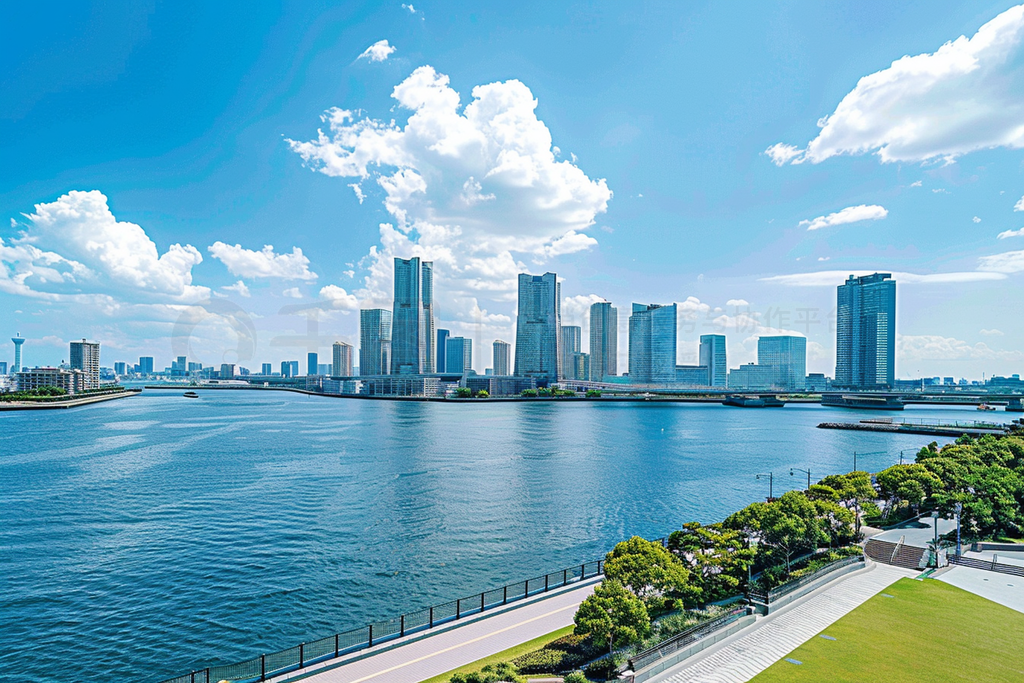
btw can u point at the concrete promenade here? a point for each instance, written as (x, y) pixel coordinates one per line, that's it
(422, 656)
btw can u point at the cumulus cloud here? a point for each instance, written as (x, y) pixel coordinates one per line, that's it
(851, 214)
(238, 288)
(936, 347)
(1007, 262)
(1010, 233)
(1019, 206)
(292, 293)
(576, 310)
(832, 278)
(378, 52)
(264, 263)
(737, 302)
(337, 298)
(474, 189)
(991, 333)
(976, 219)
(968, 95)
(75, 249)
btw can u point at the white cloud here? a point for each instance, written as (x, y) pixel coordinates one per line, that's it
(936, 347)
(239, 288)
(472, 188)
(737, 302)
(851, 214)
(576, 310)
(75, 249)
(292, 293)
(991, 333)
(357, 188)
(1010, 233)
(412, 10)
(916, 183)
(966, 96)
(338, 298)
(824, 258)
(264, 263)
(1007, 262)
(1019, 206)
(832, 278)
(781, 154)
(378, 52)
(976, 219)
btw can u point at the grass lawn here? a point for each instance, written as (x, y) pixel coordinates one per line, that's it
(929, 631)
(504, 655)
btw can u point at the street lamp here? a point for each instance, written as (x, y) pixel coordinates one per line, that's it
(771, 483)
(793, 470)
(959, 509)
(935, 529)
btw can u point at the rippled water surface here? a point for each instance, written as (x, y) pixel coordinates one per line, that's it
(148, 536)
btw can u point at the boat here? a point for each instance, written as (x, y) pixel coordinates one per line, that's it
(985, 406)
(863, 401)
(743, 401)
(190, 394)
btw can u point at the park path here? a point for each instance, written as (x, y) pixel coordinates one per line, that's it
(422, 657)
(771, 638)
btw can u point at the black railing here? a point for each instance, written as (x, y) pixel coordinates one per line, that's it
(685, 639)
(782, 590)
(987, 565)
(300, 656)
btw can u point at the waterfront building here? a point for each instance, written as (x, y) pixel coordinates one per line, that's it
(194, 367)
(652, 344)
(571, 343)
(374, 341)
(712, 356)
(787, 356)
(866, 332)
(342, 357)
(693, 375)
(227, 370)
(3, 367)
(404, 385)
(440, 364)
(412, 337)
(71, 381)
(267, 369)
(289, 368)
(179, 366)
(604, 341)
(312, 361)
(501, 356)
(459, 360)
(18, 341)
(146, 365)
(817, 382)
(324, 368)
(85, 356)
(579, 366)
(499, 386)
(752, 377)
(537, 323)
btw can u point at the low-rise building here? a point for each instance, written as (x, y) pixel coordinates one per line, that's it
(71, 381)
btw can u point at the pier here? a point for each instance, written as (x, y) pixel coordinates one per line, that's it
(925, 427)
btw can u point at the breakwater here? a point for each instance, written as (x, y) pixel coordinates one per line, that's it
(937, 429)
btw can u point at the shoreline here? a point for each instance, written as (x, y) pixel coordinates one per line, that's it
(68, 403)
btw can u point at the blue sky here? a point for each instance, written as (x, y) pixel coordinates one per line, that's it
(673, 154)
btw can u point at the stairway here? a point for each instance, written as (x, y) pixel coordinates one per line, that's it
(898, 554)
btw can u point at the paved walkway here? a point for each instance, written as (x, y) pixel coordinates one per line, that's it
(420, 658)
(771, 638)
(1006, 589)
(918, 533)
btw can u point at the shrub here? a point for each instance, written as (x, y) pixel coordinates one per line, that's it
(483, 393)
(568, 652)
(603, 669)
(463, 392)
(492, 673)
(575, 677)
(593, 393)
(529, 393)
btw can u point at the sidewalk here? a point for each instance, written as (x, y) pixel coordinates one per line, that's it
(420, 657)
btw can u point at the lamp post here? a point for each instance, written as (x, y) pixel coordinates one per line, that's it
(935, 529)
(771, 483)
(959, 509)
(793, 470)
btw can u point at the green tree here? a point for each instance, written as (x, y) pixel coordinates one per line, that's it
(790, 525)
(593, 393)
(504, 672)
(463, 392)
(718, 558)
(483, 393)
(650, 571)
(529, 393)
(612, 616)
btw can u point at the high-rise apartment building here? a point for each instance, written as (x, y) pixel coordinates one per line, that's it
(866, 332)
(537, 323)
(227, 370)
(85, 356)
(119, 368)
(289, 368)
(146, 365)
(652, 344)
(342, 359)
(312, 361)
(412, 337)
(712, 356)
(604, 341)
(441, 362)
(179, 366)
(501, 358)
(571, 344)
(374, 341)
(787, 357)
(459, 358)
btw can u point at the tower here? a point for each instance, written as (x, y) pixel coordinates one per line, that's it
(537, 328)
(18, 341)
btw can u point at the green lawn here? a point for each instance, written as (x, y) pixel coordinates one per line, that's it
(929, 631)
(504, 655)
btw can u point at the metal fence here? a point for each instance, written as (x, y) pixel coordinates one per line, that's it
(987, 565)
(265, 666)
(767, 597)
(685, 639)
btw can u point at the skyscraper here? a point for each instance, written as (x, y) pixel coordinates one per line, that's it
(412, 340)
(787, 357)
(459, 355)
(18, 341)
(289, 368)
(712, 356)
(652, 344)
(572, 338)
(312, 360)
(119, 368)
(500, 362)
(146, 365)
(866, 332)
(85, 356)
(342, 359)
(442, 350)
(604, 341)
(537, 323)
(374, 341)
(267, 369)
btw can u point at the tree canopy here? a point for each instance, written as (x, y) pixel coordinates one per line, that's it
(612, 616)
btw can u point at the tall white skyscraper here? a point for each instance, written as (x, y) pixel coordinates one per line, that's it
(571, 341)
(866, 332)
(341, 365)
(604, 341)
(712, 356)
(502, 352)
(412, 337)
(652, 344)
(374, 341)
(537, 323)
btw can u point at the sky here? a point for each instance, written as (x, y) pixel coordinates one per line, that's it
(232, 181)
